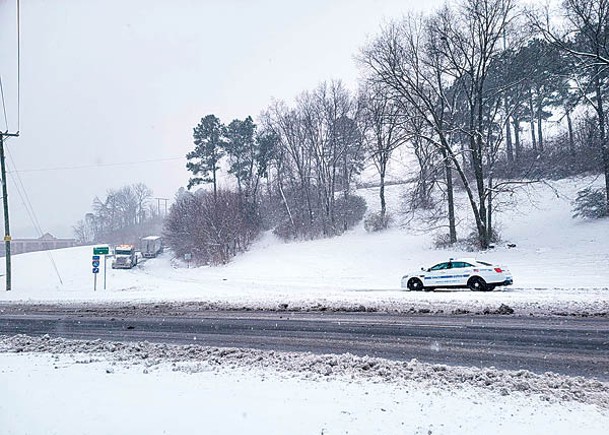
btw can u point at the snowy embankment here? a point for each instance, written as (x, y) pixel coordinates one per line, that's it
(559, 266)
(99, 387)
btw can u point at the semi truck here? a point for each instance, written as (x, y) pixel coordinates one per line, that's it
(151, 246)
(124, 257)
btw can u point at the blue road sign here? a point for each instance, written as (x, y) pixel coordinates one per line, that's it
(96, 270)
(95, 263)
(96, 257)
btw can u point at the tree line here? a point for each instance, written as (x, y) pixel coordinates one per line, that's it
(124, 215)
(471, 89)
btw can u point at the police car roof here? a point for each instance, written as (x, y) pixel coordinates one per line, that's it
(466, 259)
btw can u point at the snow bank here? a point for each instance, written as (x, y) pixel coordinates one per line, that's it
(99, 387)
(193, 358)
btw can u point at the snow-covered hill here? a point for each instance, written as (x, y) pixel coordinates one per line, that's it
(559, 264)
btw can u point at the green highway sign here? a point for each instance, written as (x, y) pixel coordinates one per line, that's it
(101, 250)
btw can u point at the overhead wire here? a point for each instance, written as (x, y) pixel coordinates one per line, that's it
(25, 200)
(18, 76)
(18, 67)
(3, 103)
(101, 165)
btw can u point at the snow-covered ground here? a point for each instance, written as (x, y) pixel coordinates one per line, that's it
(67, 387)
(559, 265)
(100, 388)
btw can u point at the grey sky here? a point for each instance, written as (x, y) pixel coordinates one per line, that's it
(109, 82)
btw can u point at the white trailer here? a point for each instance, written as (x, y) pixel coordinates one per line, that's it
(151, 246)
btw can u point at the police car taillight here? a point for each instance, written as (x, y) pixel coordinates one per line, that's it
(498, 270)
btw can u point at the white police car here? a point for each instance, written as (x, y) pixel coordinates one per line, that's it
(459, 273)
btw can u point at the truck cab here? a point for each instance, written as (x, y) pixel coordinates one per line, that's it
(124, 257)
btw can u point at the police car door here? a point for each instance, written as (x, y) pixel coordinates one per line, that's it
(460, 273)
(436, 277)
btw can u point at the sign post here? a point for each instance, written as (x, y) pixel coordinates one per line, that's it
(105, 268)
(97, 252)
(95, 264)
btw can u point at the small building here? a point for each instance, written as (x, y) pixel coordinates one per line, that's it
(44, 243)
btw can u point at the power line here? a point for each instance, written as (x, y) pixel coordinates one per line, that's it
(3, 103)
(25, 200)
(18, 66)
(18, 77)
(24, 197)
(102, 165)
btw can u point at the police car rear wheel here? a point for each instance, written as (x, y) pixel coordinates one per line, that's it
(415, 284)
(477, 284)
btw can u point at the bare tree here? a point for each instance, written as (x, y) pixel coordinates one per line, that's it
(142, 195)
(213, 228)
(84, 230)
(318, 150)
(584, 35)
(472, 40)
(292, 163)
(399, 59)
(329, 114)
(440, 67)
(384, 132)
(123, 216)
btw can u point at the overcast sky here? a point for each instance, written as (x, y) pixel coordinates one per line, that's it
(112, 89)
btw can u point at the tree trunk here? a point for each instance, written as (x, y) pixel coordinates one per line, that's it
(532, 123)
(452, 227)
(489, 211)
(508, 142)
(539, 131)
(517, 144)
(570, 131)
(602, 131)
(382, 192)
(479, 171)
(215, 183)
(285, 203)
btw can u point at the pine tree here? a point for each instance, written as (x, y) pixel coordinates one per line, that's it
(241, 149)
(203, 162)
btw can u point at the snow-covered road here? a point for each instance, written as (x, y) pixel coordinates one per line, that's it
(573, 346)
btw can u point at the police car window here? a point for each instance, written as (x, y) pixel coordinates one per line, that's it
(459, 264)
(440, 266)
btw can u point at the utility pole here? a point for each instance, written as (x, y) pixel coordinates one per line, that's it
(7, 232)
(158, 205)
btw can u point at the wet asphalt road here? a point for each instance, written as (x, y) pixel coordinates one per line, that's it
(571, 346)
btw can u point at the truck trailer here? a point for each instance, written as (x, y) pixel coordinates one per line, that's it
(151, 246)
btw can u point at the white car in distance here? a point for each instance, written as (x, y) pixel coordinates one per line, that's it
(459, 273)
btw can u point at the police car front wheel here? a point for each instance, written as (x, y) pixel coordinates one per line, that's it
(415, 284)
